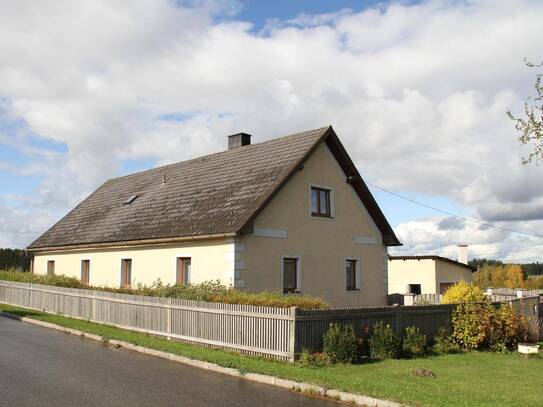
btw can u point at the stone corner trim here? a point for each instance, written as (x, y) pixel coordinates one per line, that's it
(356, 399)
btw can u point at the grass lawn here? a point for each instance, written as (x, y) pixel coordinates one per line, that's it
(469, 379)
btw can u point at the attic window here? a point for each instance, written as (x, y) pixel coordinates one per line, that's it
(130, 200)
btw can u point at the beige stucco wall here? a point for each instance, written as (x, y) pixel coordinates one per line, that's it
(321, 244)
(451, 273)
(401, 273)
(427, 272)
(210, 260)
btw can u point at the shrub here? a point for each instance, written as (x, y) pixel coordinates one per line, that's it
(485, 327)
(462, 292)
(212, 291)
(54, 280)
(471, 324)
(318, 359)
(340, 342)
(534, 282)
(533, 327)
(413, 343)
(383, 342)
(445, 343)
(508, 329)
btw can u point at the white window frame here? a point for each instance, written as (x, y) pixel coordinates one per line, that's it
(189, 276)
(298, 273)
(357, 274)
(332, 202)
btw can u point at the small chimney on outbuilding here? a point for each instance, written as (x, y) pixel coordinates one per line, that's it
(238, 140)
(463, 253)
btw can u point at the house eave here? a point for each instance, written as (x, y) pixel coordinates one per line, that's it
(130, 243)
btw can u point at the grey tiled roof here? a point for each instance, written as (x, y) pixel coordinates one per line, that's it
(214, 194)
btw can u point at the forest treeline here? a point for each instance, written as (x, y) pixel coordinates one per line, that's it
(14, 259)
(494, 273)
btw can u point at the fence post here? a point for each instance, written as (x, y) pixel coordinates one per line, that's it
(397, 321)
(169, 317)
(409, 299)
(292, 331)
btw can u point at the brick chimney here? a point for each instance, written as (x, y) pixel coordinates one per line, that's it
(238, 140)
(463, 253)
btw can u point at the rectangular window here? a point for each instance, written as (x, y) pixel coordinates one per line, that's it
(50, 267)
(126, 273)
(290, 276)
(320, 202)
(85, 271)
(182, 275)
(414, 289)
(351, 276)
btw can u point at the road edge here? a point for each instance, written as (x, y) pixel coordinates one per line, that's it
(308, 388)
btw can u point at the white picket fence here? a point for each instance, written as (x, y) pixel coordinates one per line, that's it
(264, 331)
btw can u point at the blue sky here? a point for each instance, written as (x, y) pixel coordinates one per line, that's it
(259, 12)
(401, 82)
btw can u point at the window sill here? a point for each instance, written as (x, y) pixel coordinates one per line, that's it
(353, 291)
(321, 217)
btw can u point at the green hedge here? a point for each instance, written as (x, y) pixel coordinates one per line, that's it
(212, 291)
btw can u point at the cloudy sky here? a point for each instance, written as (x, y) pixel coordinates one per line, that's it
(417, 91)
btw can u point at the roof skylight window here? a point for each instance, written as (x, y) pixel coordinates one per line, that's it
(130, 200)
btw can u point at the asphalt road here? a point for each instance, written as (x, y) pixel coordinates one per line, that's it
(41, 367)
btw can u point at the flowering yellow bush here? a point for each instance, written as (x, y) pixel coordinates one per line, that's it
(463, 292)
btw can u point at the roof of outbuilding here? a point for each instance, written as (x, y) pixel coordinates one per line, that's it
(433, 257)
(211, 195)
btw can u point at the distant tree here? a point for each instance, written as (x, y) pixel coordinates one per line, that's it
(530, 126)
(534, 282)
(481, 262)
(14, 259)
(532, 269)
(514, 278)
(499, 275)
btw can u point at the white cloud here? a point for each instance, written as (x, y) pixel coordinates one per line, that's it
(418, 93)
(441, 235)
(18, 227)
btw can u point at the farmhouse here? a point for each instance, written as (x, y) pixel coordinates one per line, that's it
(427, 274)
(291, 214)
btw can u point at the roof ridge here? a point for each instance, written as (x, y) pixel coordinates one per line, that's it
(245, 148)
(428, 257)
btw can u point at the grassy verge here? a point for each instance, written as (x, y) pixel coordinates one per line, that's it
(469, 379)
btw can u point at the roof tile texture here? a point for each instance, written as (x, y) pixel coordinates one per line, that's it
(213, 194)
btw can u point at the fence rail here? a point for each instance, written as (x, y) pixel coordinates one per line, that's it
(279, 333)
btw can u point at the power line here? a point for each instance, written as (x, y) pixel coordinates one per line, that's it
(490, 225)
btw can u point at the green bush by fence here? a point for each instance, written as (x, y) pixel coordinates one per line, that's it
(340, 342)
